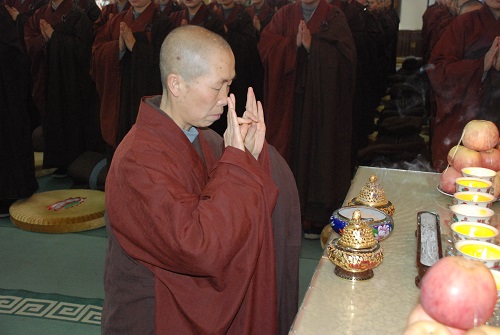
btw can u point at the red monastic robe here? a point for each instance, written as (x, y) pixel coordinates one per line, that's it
(265, 14)
(107, 13)
(203, 230)
(456, 75)
(430, 20)
(287, 232)
(325, 79)
(122, 82)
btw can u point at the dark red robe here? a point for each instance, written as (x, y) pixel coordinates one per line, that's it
(287, 231)
(202, 228)
(456, 75)
(108, 12)
(430, 20)
(204, 17)
(264, 14)
(324, 80)
(62, 89)
(122, 82)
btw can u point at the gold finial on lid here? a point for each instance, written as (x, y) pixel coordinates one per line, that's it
(357, 234)
(372, 194)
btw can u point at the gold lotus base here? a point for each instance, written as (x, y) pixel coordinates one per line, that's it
(354, 276)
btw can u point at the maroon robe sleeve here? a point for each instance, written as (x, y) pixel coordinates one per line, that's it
(105, 73)
(278, 52)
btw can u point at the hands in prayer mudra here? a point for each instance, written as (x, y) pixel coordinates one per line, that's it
(248, 131)
(492, 57)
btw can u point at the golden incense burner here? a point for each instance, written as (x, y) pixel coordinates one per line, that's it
(372, 194)
(356, 252)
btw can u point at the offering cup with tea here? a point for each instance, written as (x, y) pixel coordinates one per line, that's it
(474, 198)
(481, 173)
(463, 231)
(471, 213)
(471, 184)
(486, 252)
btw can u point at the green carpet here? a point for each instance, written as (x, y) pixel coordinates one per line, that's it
(51, 283)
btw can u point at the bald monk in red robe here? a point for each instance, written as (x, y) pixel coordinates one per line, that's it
(191, 246)
(309, 61)
(125, 65)
(464, 70)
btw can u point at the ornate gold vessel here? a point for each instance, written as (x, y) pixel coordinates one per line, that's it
(356, 252)
(372, 194)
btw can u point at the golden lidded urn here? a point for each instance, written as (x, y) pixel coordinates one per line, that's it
(372, 194)
(356, 252)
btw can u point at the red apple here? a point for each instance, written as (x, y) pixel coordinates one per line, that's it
(447, 179)
(466, 157)
(458, 292)
(480, 135)
(490, 159)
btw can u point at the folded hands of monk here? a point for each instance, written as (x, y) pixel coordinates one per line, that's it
(46, 30)
(127, 39)
(303, 36)
(492, 57)
(12, 11)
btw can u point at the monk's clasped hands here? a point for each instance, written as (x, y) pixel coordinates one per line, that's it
(248, 131)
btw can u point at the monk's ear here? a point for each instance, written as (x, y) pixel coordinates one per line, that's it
(174, 84)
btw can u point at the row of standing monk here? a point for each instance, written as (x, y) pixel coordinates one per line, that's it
(87, 97)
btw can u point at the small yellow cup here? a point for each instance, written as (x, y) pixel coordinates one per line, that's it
(462, 231)
(486, 252)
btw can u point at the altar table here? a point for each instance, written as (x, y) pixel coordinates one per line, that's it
(380, 305)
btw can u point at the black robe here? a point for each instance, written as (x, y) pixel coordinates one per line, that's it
(17, 170)
(64, 94)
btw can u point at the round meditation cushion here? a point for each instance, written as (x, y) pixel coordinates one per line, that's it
(60, 211)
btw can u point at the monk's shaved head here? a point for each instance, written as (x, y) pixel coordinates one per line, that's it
(186, 52)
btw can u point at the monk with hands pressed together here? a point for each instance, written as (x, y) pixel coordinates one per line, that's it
(191, 247)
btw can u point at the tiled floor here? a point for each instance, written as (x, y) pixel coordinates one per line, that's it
(310, 254)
